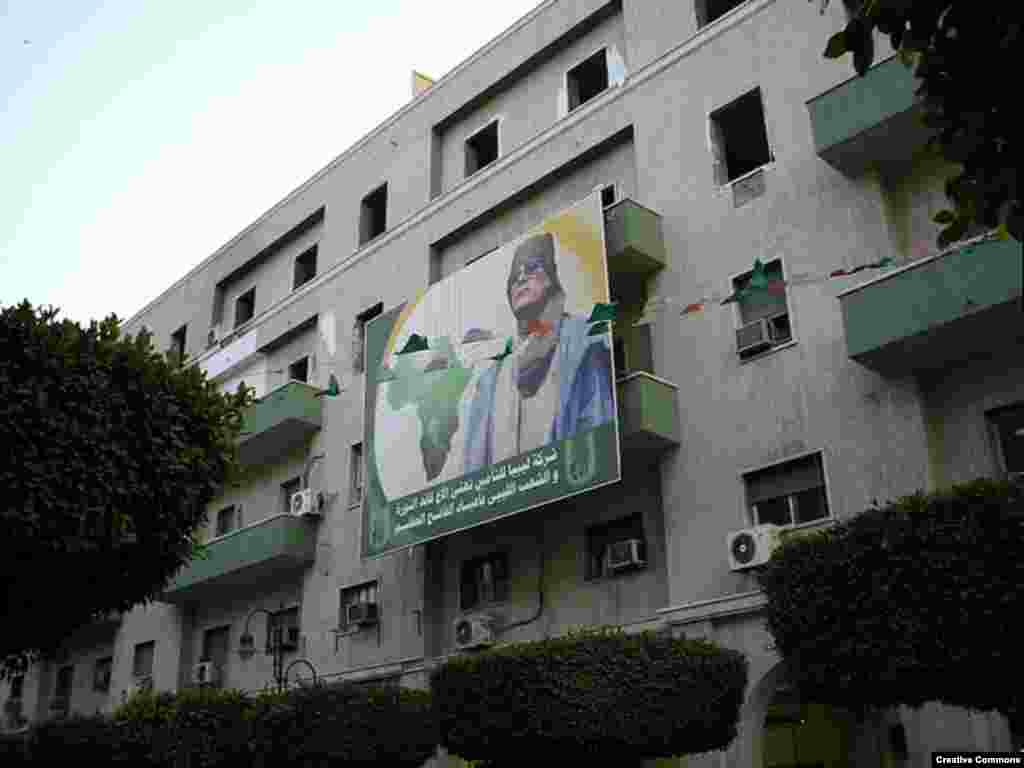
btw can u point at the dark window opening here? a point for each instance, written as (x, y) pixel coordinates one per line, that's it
(608, 195)
(305, 267)
(587, 80)
(356, 476)
(740, 137)
(178, 344)
(359, 335)
(17, 686)
(483, 580)
(356, 595)
(287, 490)
(102, 674)
(299, 370)
(618, 534)
(373, 216)
(245, 307)
(1008, 426)
(789, 493)
(482, 148)
(227, 520)
(709, 10)
(283, 629)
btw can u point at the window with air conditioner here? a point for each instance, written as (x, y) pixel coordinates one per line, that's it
(483, 581)
(615, 547)
(358, 606)
(1007, 425)
(142, 659)
(790, 493)
(763, 312)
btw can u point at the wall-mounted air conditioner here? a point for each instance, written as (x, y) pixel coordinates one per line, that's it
(304, 503)
(206, 673)
(624, 554)
(474, 631)
(753, 338)
(752, 547)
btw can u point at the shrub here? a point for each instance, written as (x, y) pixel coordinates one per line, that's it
(593, 694)
(905, 604)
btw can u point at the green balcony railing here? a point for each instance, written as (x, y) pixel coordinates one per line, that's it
(635, 245)
(278, 421)
(648, 415)
(940, 311)
(255, 556)
(868, 121)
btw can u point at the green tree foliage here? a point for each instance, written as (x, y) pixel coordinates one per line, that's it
(913, 602)
(112, 452)
(598, 694)
(964, 52)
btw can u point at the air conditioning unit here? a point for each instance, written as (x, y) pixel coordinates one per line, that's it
(624, 554)
(304, 503)
(363, 614)
(140, 684)
(753, 337)
(206, 673)
(752, 547)
(474, 631)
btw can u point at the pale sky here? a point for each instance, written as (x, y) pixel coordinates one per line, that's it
(139, 136)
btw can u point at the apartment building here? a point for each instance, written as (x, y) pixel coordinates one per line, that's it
(714, 135)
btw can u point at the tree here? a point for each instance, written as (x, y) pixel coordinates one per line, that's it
(908, 603)
(112, 452)
(964, 52)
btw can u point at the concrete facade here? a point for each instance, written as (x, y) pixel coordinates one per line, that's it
(650, 135)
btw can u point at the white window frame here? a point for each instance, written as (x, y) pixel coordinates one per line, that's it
(738, 315)
(495, 120)
(748, 514)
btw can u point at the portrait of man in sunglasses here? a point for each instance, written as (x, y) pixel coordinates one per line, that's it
(556, 382)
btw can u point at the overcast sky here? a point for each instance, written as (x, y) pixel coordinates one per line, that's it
(138, 136)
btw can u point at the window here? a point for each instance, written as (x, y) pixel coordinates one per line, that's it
(360, 593)
(178, 344)
(305, 267)
(142, 661)
(739, 137)
(245, 307)
(65, 680)
(600, 539)
(216, 645)
(17, 687)
(587, 80)
(356, 476)
(608, 195)
(284, 628)
(228, 520)
(102, 673)
(710, 10)
(482, 148)
(1008, 427)
(287, 489)
(299, 370)
(373, 214)
(483, 580)
(788, 494)
(764, 314)
(359, 335)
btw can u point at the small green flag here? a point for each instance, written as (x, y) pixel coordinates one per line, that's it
(598, 328)
(758, 278)
(505, 352)
(603, 313)
(332, 387)
(416, 343)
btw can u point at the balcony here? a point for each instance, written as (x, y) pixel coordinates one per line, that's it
(939, 311)
(636, 248)
(259, 555)
(648, 415)
(278, 421)
(869, 120)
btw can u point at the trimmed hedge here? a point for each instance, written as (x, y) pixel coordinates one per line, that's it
(914, 602)
(593, 694)
(211, 728)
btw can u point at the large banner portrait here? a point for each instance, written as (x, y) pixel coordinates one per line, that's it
(494, 391)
